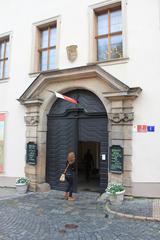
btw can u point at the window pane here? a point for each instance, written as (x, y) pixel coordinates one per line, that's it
(116, 21)
(102, 49)
(6, 69)
(1, 50)
(43, 62)
(102, 24)
(44, 39)
(1, 69)
(7, 49)
(116, 46)
(52, 62)
(53, 37)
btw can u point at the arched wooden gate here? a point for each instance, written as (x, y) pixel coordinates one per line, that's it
(68, 125)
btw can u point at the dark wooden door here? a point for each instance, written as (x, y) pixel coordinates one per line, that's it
(68, 125)
(61, 140)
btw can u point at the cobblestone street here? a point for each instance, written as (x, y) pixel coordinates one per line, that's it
(48, 216)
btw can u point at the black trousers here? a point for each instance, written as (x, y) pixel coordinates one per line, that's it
(69, 188)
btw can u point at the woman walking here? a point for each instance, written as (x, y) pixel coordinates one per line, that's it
(70, 166)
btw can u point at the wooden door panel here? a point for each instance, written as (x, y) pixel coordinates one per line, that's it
(60, 141)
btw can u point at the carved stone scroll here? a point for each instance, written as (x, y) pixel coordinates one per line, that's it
(120, 117)
(31, 120)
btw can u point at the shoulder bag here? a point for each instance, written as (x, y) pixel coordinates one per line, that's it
(62, 177)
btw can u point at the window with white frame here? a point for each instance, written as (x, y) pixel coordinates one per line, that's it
(109, 33)
(4, 45)
(47, 47)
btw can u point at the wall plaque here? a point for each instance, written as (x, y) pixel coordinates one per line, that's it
(116, 159)
(72, 52)
(32, 153)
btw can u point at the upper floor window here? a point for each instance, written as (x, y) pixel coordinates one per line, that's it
(109, 33)
(47, 48)
(4, 42)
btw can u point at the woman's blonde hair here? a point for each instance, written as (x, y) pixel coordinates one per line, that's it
(71, 157)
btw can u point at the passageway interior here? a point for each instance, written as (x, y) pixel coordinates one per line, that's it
(88, 166)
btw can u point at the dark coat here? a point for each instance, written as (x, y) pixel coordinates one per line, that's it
(71, 169)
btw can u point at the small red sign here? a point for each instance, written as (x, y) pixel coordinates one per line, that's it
(2, 116)
(1, 168)
(141, 128)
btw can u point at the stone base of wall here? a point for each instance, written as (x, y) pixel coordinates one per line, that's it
(32, 187)
(7, 181)
(43, 187)
(146, 189)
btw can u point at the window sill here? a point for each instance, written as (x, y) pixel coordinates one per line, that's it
(4, 80)
(111, 62)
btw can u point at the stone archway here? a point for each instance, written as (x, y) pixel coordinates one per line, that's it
(116, 97)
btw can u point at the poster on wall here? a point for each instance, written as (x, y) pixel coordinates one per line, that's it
(116, 159)
(2, 122)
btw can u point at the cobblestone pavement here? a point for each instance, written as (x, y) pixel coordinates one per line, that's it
(10, 193)
(139, 207)
(7, 192)
(48, 216)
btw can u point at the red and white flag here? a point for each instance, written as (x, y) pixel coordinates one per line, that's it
(72, 100)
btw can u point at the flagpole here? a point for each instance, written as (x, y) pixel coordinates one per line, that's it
(55, 93)
(82, 107)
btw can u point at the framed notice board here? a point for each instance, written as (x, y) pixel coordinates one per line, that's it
(32, 153)
(116, 159)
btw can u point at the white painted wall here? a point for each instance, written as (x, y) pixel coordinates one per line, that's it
(142, 69)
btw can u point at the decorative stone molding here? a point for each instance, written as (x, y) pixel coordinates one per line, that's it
(128, 117)
(30, 102)
(31, 120)
(119, 117)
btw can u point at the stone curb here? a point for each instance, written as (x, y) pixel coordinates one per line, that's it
(130, 216)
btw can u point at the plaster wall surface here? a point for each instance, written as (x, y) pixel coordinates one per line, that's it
(140, 69)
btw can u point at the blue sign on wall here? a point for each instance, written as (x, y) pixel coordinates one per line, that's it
(150, 128)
